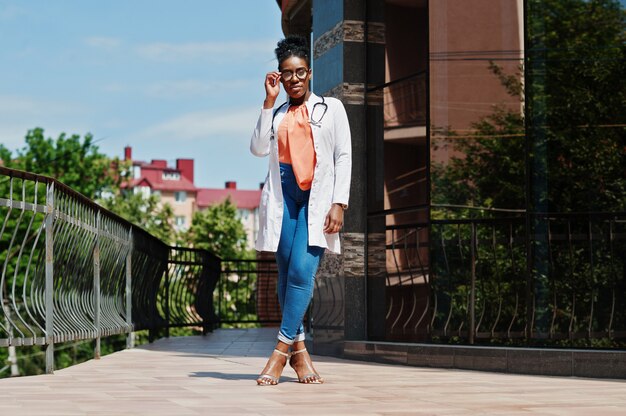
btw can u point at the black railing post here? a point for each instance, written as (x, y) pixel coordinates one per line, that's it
(217, 277)
(130, 341)
(203, 289)
(219, 295)
(528, 328)
(472, 302)
(167, 295)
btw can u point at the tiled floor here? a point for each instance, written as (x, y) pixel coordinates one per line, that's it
(215, 375)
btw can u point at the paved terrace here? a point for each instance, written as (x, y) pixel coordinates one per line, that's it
(216, 375)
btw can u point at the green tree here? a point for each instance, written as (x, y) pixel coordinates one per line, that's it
(78, 163)
(490, 172)
(576, 106)
(219, 230)
(573, 140)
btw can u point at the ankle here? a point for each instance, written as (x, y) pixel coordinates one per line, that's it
(281, 357)
(282, 347)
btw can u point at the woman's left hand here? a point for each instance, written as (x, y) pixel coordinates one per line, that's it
(334, 219)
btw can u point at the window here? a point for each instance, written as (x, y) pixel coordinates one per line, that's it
(144, 191)
(171, 176)
(180, 221)
(243, 214)
(180, 196)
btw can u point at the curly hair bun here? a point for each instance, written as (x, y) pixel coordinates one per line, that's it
(292, 45)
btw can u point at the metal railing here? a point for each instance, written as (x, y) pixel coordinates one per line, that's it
(404, 100)
(477, 264)
(246, 293)
(71, 270)
(536, 279)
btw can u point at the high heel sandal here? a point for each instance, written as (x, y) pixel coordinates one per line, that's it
(316, 378)
(268, 379)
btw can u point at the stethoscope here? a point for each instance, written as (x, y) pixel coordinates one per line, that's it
(312, 120)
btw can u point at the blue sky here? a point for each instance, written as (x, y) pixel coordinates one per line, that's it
(173, 79)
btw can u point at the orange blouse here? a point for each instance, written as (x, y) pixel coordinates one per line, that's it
(295, 145)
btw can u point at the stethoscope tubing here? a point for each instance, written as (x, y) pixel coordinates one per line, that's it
(317, 123)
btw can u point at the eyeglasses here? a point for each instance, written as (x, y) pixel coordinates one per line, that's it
(301, 74)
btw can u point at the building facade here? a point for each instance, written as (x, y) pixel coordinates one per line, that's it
(472, 124)
(175, 186)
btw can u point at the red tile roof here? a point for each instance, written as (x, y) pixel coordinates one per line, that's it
(152, 176)
(245, 199)
(182, 184)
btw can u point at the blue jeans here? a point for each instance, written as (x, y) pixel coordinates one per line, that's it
(297, 261)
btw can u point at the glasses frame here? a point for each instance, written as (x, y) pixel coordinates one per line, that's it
(295, 74)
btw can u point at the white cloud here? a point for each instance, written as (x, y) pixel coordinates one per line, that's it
(176, 89)
(11, 11)
(18, 114)
(191, 87)
(102, 42)
(204, 125)
(114, 123)
(115, 87)
(209, 51)
(14, 105)
(12, 136)
(163, 51)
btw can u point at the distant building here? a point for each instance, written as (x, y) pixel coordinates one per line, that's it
(247, 202)
(175, 185)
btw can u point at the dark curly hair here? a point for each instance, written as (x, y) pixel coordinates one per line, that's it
(293, 45)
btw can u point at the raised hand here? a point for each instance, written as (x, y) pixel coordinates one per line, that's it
(272, 88)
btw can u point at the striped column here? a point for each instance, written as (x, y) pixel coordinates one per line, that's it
(348, 59)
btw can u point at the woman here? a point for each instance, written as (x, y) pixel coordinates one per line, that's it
(304, 196)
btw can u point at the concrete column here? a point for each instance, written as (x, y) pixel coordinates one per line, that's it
(344, 38)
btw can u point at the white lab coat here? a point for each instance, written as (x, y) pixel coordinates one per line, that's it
(331, 177)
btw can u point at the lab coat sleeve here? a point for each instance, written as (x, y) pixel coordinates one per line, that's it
(342, 156)
(260, 141)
